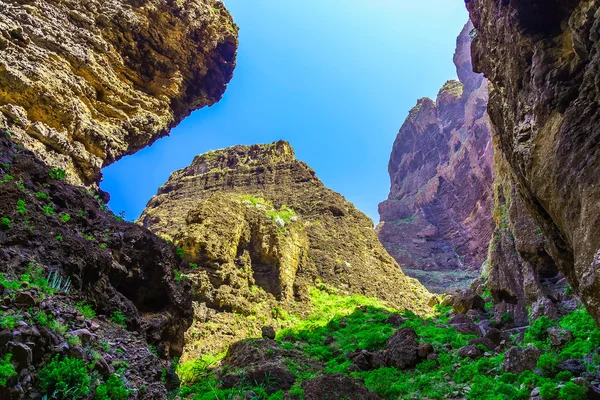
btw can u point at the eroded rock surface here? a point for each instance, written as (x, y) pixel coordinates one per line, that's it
(250, 255)
(542, 61)
(83, 83)
(51, 230)
(438, 213)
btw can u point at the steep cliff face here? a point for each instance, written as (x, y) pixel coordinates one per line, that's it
(61, 249)
(259, 229)
(83, 83)
(438, 213)
(542, 60)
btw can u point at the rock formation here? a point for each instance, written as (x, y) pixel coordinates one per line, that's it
(87, 82)
(437, 220)
(83, 83)
(541, 58)
(259, 229)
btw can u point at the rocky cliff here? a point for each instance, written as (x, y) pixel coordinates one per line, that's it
(542, 60)
(259, 229)
(92, 306)
(437, 220)
(83, 83)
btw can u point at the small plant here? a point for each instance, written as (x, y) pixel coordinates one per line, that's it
(41, 318)
(112, 389)
(119, 318)
(7, 370)
(8, 322)
(65, 217)
(7, 178)
(6, 222)
(102, 245)
(192, 265)
(153, 349)
(89, 237)
(20, 185)
(180, 253)
(41, 195)
(74, 341)
(59, 238)
(106, 346)
(85, 309)
(5, 166)
(57, 173)
(80, 213)
(55, 281)
(58, 327)
(65, 379)
(21, 207)
(178, 276)
(48, 210)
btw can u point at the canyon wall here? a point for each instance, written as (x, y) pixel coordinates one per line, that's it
(542, 60)
(437, 220)
(83, 83)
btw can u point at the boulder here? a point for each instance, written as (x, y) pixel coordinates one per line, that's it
(470, 351)
(559, 336)
(517, 359)
(402, 349)
(336, 387)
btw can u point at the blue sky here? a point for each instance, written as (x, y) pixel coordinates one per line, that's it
(335, 78)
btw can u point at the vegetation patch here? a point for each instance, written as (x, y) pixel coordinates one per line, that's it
(341, 325)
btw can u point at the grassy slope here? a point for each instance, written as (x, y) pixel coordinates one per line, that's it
(357, 323)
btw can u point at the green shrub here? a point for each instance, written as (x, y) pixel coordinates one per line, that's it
(119, 318)
(112, 389)
(41, 195)
(58, 327)
(65, 217)
(572, 391)
(537, 333)
(65, 379)
(7, 370)
(21, 207)
(6, 222)
(57, 173)
(548, 391)
(48, 210)
(8, 322)
(548, 363)
(85, 309)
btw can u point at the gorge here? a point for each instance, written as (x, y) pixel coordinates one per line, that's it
(246, 277)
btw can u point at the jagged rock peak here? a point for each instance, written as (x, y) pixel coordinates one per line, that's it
(438, 213)
(86, 82)
(262, 230)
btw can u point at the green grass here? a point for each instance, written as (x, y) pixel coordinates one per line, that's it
(285, 213)
(359, 323)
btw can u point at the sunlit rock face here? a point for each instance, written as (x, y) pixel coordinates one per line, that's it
(437, 220)
(542, 60)
(83, 83)
(227, 211)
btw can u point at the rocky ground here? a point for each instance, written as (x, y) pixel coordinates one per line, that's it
(354, 347)
(80, 284)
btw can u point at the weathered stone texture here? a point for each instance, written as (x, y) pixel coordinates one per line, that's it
(250, 265)
(83, 83)
(438, 213)
(542, 60)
